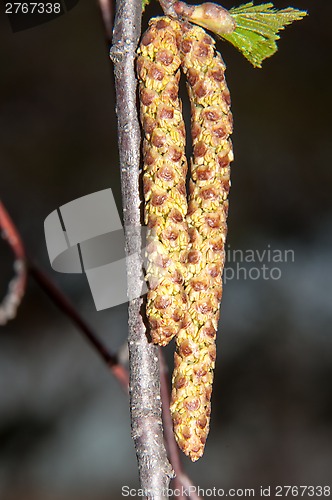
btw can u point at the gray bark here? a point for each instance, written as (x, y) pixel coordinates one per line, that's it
(145, 402)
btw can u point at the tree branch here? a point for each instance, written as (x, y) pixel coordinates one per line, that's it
(106, 10)
(12, 235)
(145, 402)
(17, 286)
(61, 301)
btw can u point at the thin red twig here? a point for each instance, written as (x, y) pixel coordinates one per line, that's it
(10, 233)
(12, 236)
(63, 303)
(17, 286)
(106, 9)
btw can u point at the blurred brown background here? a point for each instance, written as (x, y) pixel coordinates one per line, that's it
(64, 422)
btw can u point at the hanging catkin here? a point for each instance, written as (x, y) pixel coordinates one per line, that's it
(211, 125)
(186, 246)
(165, 169)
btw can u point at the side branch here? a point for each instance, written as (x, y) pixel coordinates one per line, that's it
(145, 402)
(60, 300)
(13, 237)
(17, 286)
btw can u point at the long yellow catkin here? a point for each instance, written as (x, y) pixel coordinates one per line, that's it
(165, 169)
(207, 212)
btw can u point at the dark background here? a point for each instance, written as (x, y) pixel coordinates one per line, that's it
(64, 422)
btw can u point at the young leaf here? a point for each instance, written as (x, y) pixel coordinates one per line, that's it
(257, 28)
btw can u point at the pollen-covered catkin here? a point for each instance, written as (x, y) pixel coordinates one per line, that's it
(165, 169)
(211, 125)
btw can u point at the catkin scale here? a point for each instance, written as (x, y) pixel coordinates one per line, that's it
(165, 169)
(211, 125)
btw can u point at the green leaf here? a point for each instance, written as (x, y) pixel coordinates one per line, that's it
(144, 4)
(257, 28)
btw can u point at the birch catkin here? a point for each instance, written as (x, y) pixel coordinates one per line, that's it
(186, 250)
(207, 212)
(185, 244)
(165, 169)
